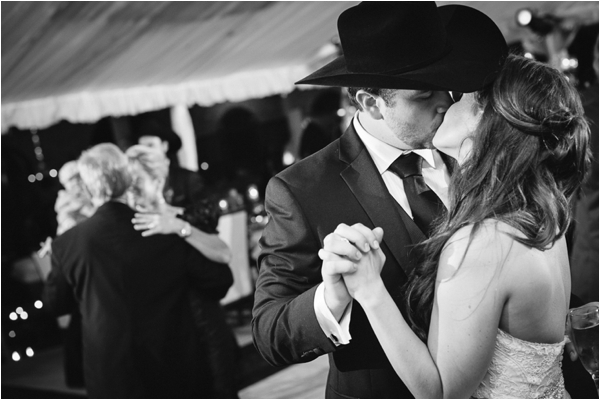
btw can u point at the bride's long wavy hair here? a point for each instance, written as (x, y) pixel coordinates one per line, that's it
(529, 156)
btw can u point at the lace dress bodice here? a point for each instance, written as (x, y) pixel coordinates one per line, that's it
(521, 369)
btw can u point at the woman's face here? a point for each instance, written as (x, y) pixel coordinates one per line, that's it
(453, 137)
(146, 190)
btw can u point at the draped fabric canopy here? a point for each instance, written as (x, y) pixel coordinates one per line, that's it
(81, 61)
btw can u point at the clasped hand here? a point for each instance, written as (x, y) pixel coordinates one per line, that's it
(352, 263)
(161, 221)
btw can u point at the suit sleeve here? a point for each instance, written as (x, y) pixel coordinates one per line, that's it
(284, 326)
(58, 296)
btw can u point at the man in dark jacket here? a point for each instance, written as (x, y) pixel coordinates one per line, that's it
(138, 331)
(415, 53)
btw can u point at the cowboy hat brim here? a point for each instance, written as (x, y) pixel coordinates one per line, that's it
(475, 52)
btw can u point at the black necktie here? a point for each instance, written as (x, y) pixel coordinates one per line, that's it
(424, 203)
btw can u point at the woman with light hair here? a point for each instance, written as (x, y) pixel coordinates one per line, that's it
(73, 204)
(197, 224)
(149, 168)
(138, 334)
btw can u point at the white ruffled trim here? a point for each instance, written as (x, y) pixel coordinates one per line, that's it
(89, 107)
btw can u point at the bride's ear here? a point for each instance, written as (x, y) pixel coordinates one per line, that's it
(465, 149)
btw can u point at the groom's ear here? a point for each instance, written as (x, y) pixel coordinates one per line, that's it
(368, 104)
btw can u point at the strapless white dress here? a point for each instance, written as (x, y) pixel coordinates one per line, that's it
(525, 370)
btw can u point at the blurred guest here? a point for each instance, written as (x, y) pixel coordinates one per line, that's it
(138, 333)
(73, 204)
(584, 254)
(197, 224)
(181, 186)
(323, 126)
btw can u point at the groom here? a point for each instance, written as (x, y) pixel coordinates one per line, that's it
(400, 60)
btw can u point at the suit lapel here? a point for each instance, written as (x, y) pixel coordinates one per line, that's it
(368, 187)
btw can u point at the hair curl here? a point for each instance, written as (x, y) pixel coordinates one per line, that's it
(530, 155)
(104, 171)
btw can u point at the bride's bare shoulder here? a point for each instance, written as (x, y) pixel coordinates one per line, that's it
(469, 248)
(490, 232)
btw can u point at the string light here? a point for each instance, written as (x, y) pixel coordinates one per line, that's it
(223, 204)
(38, 304)
(16, 356)
(39, 155)
(288, 158)
(253, 192)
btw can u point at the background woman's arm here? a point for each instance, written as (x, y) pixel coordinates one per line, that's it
(209, 244)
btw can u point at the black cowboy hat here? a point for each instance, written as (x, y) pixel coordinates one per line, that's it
(151, 127)
(414, 45)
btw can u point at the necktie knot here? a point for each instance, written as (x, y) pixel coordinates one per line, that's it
(407, 165)
(424, 203)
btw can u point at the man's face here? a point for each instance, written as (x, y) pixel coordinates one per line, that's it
(414, 116)
(154, 142)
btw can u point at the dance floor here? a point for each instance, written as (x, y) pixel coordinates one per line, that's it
(42, 376)
(300, 381)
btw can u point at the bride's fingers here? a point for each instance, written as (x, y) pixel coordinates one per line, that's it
(341, 246)
(378, 232)
(335, 265)
(372, 236)
(358, 234)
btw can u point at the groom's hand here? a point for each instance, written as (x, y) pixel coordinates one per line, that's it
(341, 250)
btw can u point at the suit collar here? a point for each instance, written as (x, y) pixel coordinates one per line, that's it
(113, 206)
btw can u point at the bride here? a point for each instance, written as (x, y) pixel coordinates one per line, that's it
(486, 308)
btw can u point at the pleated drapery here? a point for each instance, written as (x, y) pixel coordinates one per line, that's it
(85, 60)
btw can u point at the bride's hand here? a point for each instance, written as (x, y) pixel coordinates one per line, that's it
(355, 253)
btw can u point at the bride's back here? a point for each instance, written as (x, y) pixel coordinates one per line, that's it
(537, 286)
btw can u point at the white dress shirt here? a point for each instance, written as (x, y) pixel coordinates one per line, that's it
(436, 177)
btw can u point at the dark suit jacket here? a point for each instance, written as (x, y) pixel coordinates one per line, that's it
(305, 203)
(138, 332)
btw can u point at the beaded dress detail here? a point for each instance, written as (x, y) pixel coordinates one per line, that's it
(521, 369)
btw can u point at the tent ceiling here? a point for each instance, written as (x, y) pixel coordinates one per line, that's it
(81, 61)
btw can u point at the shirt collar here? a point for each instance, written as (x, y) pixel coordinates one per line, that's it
(384, 154)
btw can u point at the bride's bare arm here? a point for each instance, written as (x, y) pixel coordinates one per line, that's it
(464, 323)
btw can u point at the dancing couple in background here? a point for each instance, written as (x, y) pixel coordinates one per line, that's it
(151, 321)
(421, 272)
